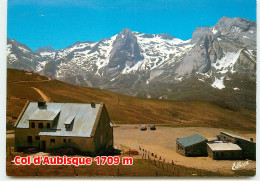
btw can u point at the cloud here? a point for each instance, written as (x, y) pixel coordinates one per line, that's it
(42, 15)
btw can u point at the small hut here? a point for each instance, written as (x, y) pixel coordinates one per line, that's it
(194, 145)
(224, 151)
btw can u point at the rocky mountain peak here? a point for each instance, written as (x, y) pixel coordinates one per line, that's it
(166, 36)
(125, 52)
(45, 49)
(240, 30)
(125, 31)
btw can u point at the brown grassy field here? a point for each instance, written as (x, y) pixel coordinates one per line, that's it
(126, 109)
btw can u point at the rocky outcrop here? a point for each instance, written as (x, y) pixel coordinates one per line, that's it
(211, 44)
(125, 52)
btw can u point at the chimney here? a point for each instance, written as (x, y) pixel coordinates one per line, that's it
(251, 139)
(93, 105)
(42, 105)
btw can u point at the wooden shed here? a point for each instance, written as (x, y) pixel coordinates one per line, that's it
(194, 145)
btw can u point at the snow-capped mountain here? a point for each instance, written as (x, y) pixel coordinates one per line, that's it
(137, 63)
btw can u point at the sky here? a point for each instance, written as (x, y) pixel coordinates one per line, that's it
(61, 23)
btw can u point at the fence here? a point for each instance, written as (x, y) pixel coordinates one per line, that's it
(161, 163)
(166, 167)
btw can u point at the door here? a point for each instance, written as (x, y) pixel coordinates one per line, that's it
(43, 145)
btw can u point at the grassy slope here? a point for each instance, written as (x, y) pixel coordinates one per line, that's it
(129, 110)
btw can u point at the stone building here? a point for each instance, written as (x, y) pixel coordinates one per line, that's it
(248, 146)
(194, 145)
(48, 126)
(224, 151)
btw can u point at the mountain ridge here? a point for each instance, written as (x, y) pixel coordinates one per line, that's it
(133, 63)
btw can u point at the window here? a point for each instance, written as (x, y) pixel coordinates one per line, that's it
(48, 125)
(52, 140)
(37, 137)
(33, 125)
(69, 140)
(29, 139)
(40, 125)
(64, 140)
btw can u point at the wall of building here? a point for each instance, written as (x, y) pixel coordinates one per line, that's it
(80, 143)
(103, 135)
(225, 155)
(21, 134)
(248, 147)
(199, 149)
(180, 149)
(21, 140)
(21, 137)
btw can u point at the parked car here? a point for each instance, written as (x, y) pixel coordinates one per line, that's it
(143, 128)
(152, 127)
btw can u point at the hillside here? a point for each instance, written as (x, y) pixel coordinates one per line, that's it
(23, 86)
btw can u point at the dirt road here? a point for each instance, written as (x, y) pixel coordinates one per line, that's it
(163, 143)
(44, 97)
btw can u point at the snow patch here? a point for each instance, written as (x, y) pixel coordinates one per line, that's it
(9, 49)
(179, 78)
(214, 31)
(23, 49)
(202, 80)
(237, 29)
(227, 62)
(40, 66)
(236, 88)
(218, 83)
(48, 54)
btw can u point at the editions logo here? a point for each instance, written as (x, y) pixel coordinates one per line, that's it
(237, 165)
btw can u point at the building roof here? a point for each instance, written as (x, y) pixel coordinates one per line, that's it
(223, 146)
(191, 140)
(84, 117)
(44, 114)
(234, 136)
(69, 120)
